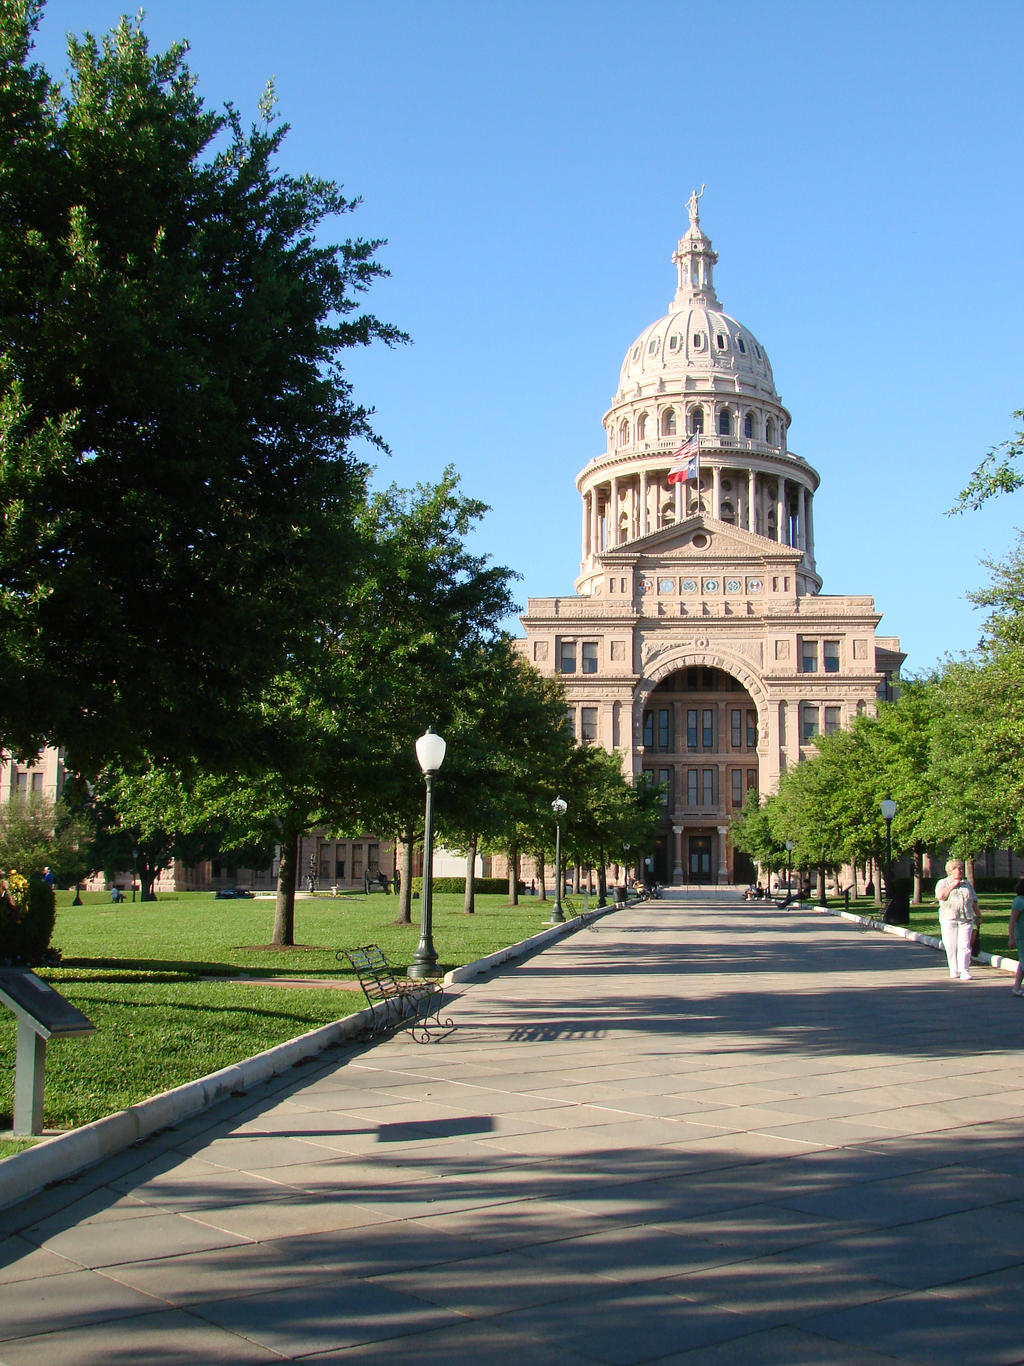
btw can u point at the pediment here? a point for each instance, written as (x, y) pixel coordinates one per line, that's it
(702, 540)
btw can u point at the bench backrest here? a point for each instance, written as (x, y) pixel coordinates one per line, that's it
(374, 972)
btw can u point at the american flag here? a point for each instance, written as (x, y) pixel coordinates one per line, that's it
(685, 461)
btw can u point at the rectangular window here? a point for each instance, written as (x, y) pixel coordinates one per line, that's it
(339, 870)
(737, 786)
(808, 721)
(373, 859)
(357, 861)
(588, 723)
(707, 786)
(664, 728)
(691, 786)
(648, 729)
(751, 779)
(808, 656)
(707, 728)
(691, 728)
(37, 782)
(736, 727)
(832, 715)
(590, 656)
(751, 730)
(567, 657)
(665, 782)
(830, 656)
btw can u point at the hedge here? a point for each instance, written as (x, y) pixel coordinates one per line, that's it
(25, 930)
(484, 885)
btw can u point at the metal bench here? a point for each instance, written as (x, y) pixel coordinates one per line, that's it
(408, 1004)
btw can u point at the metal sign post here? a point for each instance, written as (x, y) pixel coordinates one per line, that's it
(42, 1014)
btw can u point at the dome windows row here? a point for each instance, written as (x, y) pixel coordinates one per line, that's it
(676, 343)
(727, 421)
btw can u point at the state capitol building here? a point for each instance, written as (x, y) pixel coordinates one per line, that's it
(698, 644)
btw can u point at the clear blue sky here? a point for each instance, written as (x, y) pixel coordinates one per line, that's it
(529, 163)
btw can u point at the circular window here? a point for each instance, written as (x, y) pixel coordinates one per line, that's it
(733, 586)
(689, 585)
(710, 585)
(700, 540)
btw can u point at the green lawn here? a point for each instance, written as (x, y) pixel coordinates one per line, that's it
(159, 981)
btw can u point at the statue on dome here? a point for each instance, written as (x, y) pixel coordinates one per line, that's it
(694, 208)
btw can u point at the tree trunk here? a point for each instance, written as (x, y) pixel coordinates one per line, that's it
(469, 903)
(876, 875)
(969, 869)
(576, 879)
(542, 886)
(403, 862)
(513, 874)
(146, 880)
(287, 876)
(602, 882)
(918, 871)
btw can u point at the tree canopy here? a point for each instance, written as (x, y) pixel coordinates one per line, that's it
(175, 424)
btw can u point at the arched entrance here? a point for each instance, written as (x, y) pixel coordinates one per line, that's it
(699, 744)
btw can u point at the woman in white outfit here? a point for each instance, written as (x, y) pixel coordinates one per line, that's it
(958, 909)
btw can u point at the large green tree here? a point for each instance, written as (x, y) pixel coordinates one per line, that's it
(174, 420)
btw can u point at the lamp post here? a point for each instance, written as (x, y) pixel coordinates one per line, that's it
(888, 811)
(430, 751)
(135, 871)
(789, 865)
(559, 807)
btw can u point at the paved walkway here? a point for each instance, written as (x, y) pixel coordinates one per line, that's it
(699, 1132)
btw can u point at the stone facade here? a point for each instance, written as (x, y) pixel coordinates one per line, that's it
(697, 644)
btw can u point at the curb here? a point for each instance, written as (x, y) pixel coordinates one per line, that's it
(55, 1159)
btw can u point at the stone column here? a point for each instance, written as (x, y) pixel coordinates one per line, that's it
(680, 490)
(809, 533)
(585, 537)
(613, 529)
(595, 522)
(751, 501)
(716, 492)
(643, 503)
(677, 864)
(723, 867)
(781, 512)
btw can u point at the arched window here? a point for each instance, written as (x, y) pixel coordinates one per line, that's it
(641, 427)
(623, 433)
(724, 422)
(668, 422)
(769, 431)
(748, 425)
(697, 419)
(728, 513)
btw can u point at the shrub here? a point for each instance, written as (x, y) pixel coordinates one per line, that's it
(483, 885)
(26, 927)
(996, 884)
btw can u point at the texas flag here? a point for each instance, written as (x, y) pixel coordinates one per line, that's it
(685, 461)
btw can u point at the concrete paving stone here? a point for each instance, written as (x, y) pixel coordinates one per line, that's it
(98, 1207)
(634, 1254)
(170, 1337)
(21, 1260)
(929, 1328)
(761, 1230)
(481, 1342)
(217, 1274)
(28, 1308)
(714, 1145)
(158, 1235)
(832, 1133)
(188, 1187)
(779, 1347)
(635, 1325)
(523, 1224)
(905, 1199)
(483, 1286)
(244, 1153)
(300, 1213)
(325, 1315)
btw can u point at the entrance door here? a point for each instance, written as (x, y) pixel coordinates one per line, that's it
(699, 864)
(661, 859)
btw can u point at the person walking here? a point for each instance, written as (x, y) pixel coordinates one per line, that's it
(958, 910)
(1017, 935)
